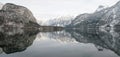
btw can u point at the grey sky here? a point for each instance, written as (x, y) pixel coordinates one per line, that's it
(47, 9)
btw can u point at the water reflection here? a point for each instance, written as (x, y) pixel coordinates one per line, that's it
(101, 39)
(18, 40)
(15, 40)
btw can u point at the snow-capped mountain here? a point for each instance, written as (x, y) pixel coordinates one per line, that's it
(102, 17)
(60, 21)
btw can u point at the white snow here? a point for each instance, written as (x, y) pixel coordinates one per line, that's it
(1, 5)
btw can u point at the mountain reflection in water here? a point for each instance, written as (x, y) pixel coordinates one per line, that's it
(18, 40)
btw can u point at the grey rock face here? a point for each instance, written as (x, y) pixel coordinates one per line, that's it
(10, 18)
(19, 9)
(12, 15)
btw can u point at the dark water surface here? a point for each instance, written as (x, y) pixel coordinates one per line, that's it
(70, 43)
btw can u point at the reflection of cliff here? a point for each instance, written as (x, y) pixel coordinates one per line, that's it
(101, 39)
(16, 40)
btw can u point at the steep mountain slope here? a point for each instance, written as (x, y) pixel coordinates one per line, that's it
(103, 18)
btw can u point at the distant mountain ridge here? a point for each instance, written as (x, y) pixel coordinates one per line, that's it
(60, 21)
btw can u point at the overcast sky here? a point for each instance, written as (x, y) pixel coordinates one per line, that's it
(48, 9)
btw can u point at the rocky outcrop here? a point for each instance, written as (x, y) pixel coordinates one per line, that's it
(12, 15)
(20, 10)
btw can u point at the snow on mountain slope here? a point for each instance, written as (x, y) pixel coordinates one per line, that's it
(60, 21)
(105, 17)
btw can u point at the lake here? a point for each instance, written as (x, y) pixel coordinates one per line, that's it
(65, 43)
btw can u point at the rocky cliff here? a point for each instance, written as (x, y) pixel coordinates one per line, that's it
(12, 15)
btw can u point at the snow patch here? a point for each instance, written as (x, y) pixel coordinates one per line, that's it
(1, 5)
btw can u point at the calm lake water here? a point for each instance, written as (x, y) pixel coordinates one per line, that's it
(60, 44)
